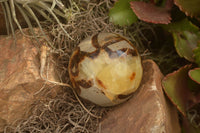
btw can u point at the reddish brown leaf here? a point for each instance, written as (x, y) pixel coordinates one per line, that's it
(150, 13)
(169, 4)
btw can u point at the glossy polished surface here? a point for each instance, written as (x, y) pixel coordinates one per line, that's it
(105, 69)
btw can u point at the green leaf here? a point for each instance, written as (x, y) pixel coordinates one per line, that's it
(186, 38)
(176, 88)
(197, 55)
(179, 26)
(190, 7)
(195, 75)
(185, 42)
(121, 14)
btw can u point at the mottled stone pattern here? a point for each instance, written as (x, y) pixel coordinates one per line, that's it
(148, 111)
(20, 77)
(105, 69)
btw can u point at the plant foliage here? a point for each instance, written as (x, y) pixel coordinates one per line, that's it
(190, 7)
(197, 54)
(151, 13)
(121, 14)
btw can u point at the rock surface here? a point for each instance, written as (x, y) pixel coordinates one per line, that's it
(20, 81)
(148, 111)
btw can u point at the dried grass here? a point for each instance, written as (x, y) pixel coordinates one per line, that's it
(60, 115)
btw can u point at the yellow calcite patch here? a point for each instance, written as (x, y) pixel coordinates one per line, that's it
(114, 76)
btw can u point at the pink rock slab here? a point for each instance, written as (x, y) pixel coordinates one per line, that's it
(20, 80)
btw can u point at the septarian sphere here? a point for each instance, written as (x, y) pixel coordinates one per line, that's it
(105, 69)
